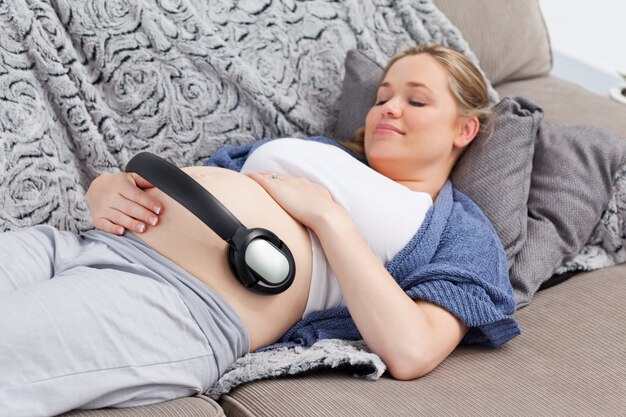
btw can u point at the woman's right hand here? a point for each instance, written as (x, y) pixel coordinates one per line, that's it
(117, 201)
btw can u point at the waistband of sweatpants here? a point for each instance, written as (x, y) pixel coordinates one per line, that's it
(224, 329)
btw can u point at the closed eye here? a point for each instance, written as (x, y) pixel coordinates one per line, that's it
(416, 103)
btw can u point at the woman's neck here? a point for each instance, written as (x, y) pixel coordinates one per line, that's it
(430, 186)
(431, 181)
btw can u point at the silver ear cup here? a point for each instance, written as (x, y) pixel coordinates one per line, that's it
(267, 261)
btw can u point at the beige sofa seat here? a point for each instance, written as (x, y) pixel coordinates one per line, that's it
(569, 361)
(199, 406)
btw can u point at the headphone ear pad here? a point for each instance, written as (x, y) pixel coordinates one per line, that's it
(239, 268)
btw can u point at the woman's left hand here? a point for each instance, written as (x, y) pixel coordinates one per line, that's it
(304, 200)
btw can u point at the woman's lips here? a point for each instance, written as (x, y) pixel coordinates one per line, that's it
(385, 128)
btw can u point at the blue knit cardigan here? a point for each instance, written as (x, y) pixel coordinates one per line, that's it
(454, 260)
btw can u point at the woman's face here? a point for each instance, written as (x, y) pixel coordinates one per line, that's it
(413, 127)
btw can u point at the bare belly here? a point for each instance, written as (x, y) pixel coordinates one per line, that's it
(189, 243)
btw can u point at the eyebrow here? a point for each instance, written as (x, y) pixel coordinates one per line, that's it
(409, 83)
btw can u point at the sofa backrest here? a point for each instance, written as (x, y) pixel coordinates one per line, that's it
(509, 37)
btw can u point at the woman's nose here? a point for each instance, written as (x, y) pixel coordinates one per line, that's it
(391, 109)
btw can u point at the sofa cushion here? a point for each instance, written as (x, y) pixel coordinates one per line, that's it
(568, 104)
(574, 168)
(569, 360)
(509, 38)
(199, 406)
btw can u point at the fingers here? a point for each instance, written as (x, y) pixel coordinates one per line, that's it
(138, 196)
(274, 184)
(303, 199)
(131, 215)
(108, 226)
(140, 181)
(118, 222)
(267, 177)
(117, 204)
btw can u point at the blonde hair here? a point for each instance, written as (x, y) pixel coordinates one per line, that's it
(467, 83)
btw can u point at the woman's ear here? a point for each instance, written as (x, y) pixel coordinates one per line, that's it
(468, 131)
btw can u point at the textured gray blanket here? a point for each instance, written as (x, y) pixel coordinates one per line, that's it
(84, 85)
(351, 356)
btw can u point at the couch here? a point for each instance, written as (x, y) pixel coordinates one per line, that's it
(570, 359)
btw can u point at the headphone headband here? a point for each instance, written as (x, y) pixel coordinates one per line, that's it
(184, 189)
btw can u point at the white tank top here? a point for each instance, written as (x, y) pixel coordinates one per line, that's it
(386, 213)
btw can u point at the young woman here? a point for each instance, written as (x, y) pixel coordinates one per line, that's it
(385, 251)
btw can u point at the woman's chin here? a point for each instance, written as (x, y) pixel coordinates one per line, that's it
(383, 164)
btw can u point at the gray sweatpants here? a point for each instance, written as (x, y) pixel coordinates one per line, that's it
(100, 320)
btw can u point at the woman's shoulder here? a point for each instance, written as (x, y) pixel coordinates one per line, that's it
(335, 143)
(317, 146)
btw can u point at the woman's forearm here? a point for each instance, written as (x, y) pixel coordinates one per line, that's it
(407, 335)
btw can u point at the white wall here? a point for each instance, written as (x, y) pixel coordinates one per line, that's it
(591, 31)
(588, 41)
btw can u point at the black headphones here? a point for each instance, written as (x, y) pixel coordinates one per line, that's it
(257, 257)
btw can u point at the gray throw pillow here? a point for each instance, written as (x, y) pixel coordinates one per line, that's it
(358, 93)
(494, 171)
(574, 168)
